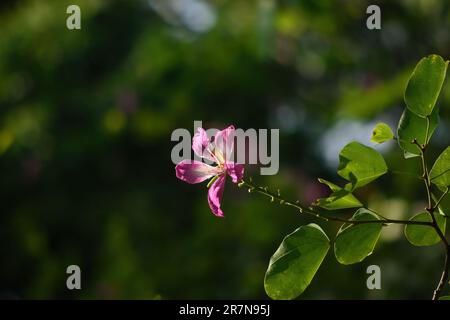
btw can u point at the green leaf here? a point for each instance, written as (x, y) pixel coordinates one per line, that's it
(411, 127)
(339, 198)
(382, 133)
(444, 206)
(294, 264)
(440, 173)
(444, 298)
(425, 85)
(355, 242)
(360, 164)
(420, 235)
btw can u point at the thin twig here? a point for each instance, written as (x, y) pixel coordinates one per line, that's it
(444, 276)
(304, 210)
(431, 209)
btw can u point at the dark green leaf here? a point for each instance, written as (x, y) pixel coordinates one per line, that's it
(420, 235)
(294, 264)
(425, 85)
(411, 127)
(444, 205)
(355, 242)
(440, 173)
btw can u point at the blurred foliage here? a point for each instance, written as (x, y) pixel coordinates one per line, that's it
(85, 124)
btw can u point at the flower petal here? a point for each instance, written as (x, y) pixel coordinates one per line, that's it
(215, 194)
(235, 171)
(201, 145)
(195, 171)
(224, 142)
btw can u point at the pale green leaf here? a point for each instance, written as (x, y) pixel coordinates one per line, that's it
(360, 164)
(382, 133)
(338, 199)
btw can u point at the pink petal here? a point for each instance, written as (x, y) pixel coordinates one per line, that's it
(215, 194)
(224, 141)
(235, 171)
(201, 145)
(195, 171)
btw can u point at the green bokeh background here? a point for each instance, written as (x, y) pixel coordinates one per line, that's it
(86, 118)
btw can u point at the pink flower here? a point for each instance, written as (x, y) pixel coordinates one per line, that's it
(219, 152)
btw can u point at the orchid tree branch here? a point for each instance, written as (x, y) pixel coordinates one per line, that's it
(431, 209)
(311, 211)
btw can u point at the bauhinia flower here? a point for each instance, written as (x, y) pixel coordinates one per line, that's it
(219, 152)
